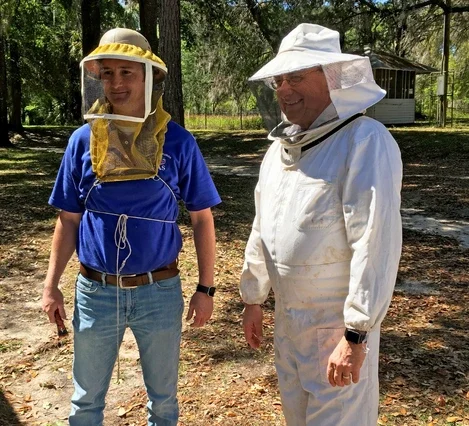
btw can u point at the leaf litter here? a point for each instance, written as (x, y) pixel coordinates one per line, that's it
(424, 366)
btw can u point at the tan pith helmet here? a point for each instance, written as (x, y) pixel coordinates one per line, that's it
(125, 36)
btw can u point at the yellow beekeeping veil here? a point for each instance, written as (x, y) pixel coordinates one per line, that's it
(122, 85)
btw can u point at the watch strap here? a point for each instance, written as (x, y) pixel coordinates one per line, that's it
(210, 291)
(355, 336)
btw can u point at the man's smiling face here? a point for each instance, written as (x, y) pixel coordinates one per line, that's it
(124, 86)
(303, 95)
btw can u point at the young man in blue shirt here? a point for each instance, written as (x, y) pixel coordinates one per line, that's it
(118, 189)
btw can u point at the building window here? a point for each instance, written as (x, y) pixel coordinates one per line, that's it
(398, 84)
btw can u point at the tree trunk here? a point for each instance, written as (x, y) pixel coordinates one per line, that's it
(445, 65)
(149, 21)
(74, 97)
(4, 139)
(241, 115)
(170, 49)
(71, 99)
(15, 87)
(90, 25)
(269, 31)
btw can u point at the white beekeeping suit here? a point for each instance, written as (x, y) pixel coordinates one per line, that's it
(327, 234)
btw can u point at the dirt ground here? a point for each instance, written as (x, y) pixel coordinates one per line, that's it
(424, 369)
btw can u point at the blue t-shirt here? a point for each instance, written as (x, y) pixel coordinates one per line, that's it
(151, 207)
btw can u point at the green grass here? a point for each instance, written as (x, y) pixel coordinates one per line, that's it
(223, 122)
(430, 143)
(232, 144)
(10, 345)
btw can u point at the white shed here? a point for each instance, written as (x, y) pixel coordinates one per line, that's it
(396, 75)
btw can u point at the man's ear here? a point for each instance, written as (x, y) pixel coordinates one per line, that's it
(158, 76)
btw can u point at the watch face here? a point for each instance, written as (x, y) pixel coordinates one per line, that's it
(211, 291)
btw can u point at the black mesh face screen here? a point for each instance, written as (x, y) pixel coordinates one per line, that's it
(266, 104)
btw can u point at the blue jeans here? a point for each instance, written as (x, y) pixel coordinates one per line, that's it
(154, 314)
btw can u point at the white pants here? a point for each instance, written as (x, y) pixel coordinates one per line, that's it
(309, 400)
(308, 327)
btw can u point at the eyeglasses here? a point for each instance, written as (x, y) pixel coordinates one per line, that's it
(292, 80)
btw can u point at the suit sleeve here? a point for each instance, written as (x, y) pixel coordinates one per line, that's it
(255, 284)
(371, 205)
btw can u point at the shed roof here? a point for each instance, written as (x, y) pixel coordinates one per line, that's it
(383, 60)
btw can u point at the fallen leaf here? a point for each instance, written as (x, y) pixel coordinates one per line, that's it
(256, 388)
(393, 395)
(25, 408)
(441, 401)
(453, 419)
(47, 405)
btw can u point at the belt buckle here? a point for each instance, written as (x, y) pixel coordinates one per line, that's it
(119, 281)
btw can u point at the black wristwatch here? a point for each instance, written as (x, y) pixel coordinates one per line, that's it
(355, 336)
(207, 290)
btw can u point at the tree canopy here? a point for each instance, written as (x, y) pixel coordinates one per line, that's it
(223, 42)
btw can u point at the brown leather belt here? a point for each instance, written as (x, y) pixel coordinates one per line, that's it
(131, 281)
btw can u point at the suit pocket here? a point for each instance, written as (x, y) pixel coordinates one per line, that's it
(316, 205)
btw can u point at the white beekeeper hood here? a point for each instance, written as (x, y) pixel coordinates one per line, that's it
(349, 77)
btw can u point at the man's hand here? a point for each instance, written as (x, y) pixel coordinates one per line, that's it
(252, 325)
(345, 363)
(63, 246)
(202, 305)
(53, 299)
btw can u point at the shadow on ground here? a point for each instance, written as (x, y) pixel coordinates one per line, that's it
(44, 136)
(8, 416)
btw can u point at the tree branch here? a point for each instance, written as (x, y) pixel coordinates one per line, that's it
(370, 5)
